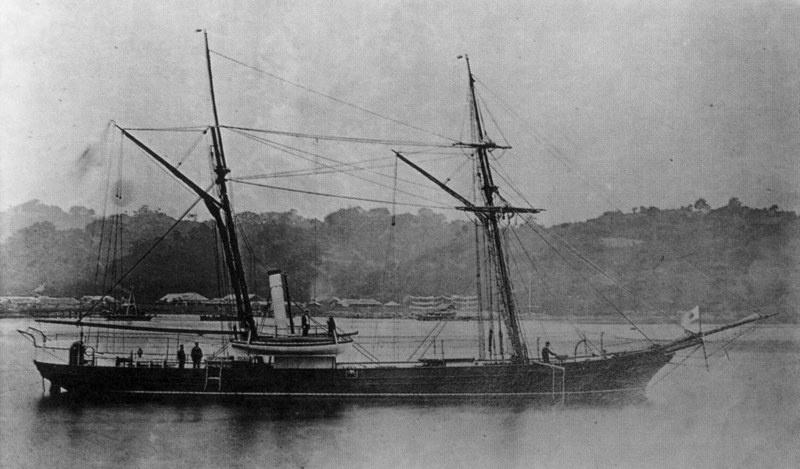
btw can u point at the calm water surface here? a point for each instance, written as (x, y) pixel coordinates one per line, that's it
(743, 412)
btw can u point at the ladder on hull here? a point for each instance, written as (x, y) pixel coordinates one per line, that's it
(214, 373)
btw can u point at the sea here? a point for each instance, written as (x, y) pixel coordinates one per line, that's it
(735, 404)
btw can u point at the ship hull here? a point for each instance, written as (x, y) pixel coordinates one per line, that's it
(616, 379)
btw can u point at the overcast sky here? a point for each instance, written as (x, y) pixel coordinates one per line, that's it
(608, 105)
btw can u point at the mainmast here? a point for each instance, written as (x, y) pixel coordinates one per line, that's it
(227, 231)
(489, 217)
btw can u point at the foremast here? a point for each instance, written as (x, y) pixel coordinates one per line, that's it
(220, 210)
(228, 235)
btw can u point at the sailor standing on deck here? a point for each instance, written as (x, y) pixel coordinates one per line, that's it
(197, 355)
(331, 326)
(181, 357)
(306, 323)
(546, 352)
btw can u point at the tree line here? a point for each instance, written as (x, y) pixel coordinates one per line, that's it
(729, 258)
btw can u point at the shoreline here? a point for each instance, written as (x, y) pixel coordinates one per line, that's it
(709, 317)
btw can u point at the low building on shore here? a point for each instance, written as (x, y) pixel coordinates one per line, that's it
(354, 303)
(188, 298)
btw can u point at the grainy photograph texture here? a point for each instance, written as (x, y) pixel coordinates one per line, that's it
(445, 234)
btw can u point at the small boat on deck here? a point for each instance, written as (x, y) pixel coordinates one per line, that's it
(284, 340)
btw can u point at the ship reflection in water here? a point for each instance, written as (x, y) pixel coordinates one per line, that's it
(736, 415)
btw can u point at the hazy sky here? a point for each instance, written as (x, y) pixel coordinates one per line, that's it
(608, 105)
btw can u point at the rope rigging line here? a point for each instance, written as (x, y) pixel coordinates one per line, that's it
(483, 250)
(363, 351)
(583, 258)
(158, 241)
(364, 165)
(509, 260)
(609, 197)
(224, 286)
(440, 326)
(114, 243)
(533, 265)
(255, 262)
(506, 178)
(550, 147)
(322, 194)
(216, 260)
(499, 130)
(575, 253)
(291, 151)
(191, 149)
(503, 175)
(335, 138)
(105, 203)
(519, 272)
(167, 172)
(588, 282)
(118, 234)
(283, 80)
(390, 266)
(109, 250)
(594, 266)
(478, 282)
(456, 171)
(735, 338)
(168, 129)
(115, 251)
(494, 287)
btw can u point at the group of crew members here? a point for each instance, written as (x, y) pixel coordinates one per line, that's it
(305, 323)
(196, 354)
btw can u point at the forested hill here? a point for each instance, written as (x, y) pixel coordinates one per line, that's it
(646, 259)
(730, 259)
(34, 211)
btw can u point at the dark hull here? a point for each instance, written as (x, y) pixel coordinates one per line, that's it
(618, 379)
(128, 317)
